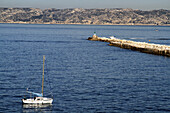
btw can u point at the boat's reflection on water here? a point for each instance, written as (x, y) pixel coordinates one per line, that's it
(36, 107)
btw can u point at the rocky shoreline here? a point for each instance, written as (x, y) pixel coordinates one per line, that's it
(83, 24)
(117, 16)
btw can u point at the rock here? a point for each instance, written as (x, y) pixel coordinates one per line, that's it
(156, 49)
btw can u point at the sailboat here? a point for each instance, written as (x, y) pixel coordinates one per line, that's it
(39, 99)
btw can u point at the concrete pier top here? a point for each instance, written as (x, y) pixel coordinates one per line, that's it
(150, 48)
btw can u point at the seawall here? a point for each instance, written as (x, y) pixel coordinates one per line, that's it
(144, 47)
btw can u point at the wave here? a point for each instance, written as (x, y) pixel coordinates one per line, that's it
(150, 38)
(135, 38)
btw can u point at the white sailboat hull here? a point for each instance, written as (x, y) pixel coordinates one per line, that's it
(38, 100)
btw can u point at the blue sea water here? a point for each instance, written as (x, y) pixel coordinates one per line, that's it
(83, 76)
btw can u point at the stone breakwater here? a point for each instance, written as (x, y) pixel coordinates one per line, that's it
(144, 47)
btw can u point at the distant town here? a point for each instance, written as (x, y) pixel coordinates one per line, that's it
(115, 16)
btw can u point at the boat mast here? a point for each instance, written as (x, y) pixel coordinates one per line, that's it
(43, 74)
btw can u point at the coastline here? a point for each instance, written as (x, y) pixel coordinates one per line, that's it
(51, 23)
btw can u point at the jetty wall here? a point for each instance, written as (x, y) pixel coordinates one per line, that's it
(144, 47)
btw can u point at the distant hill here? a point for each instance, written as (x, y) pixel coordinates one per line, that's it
(116, 16)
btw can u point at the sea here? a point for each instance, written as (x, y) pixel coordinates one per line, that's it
(83, 76)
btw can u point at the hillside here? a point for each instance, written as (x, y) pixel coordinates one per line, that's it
(85, 16)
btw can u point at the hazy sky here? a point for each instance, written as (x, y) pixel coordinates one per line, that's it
(134, 4)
